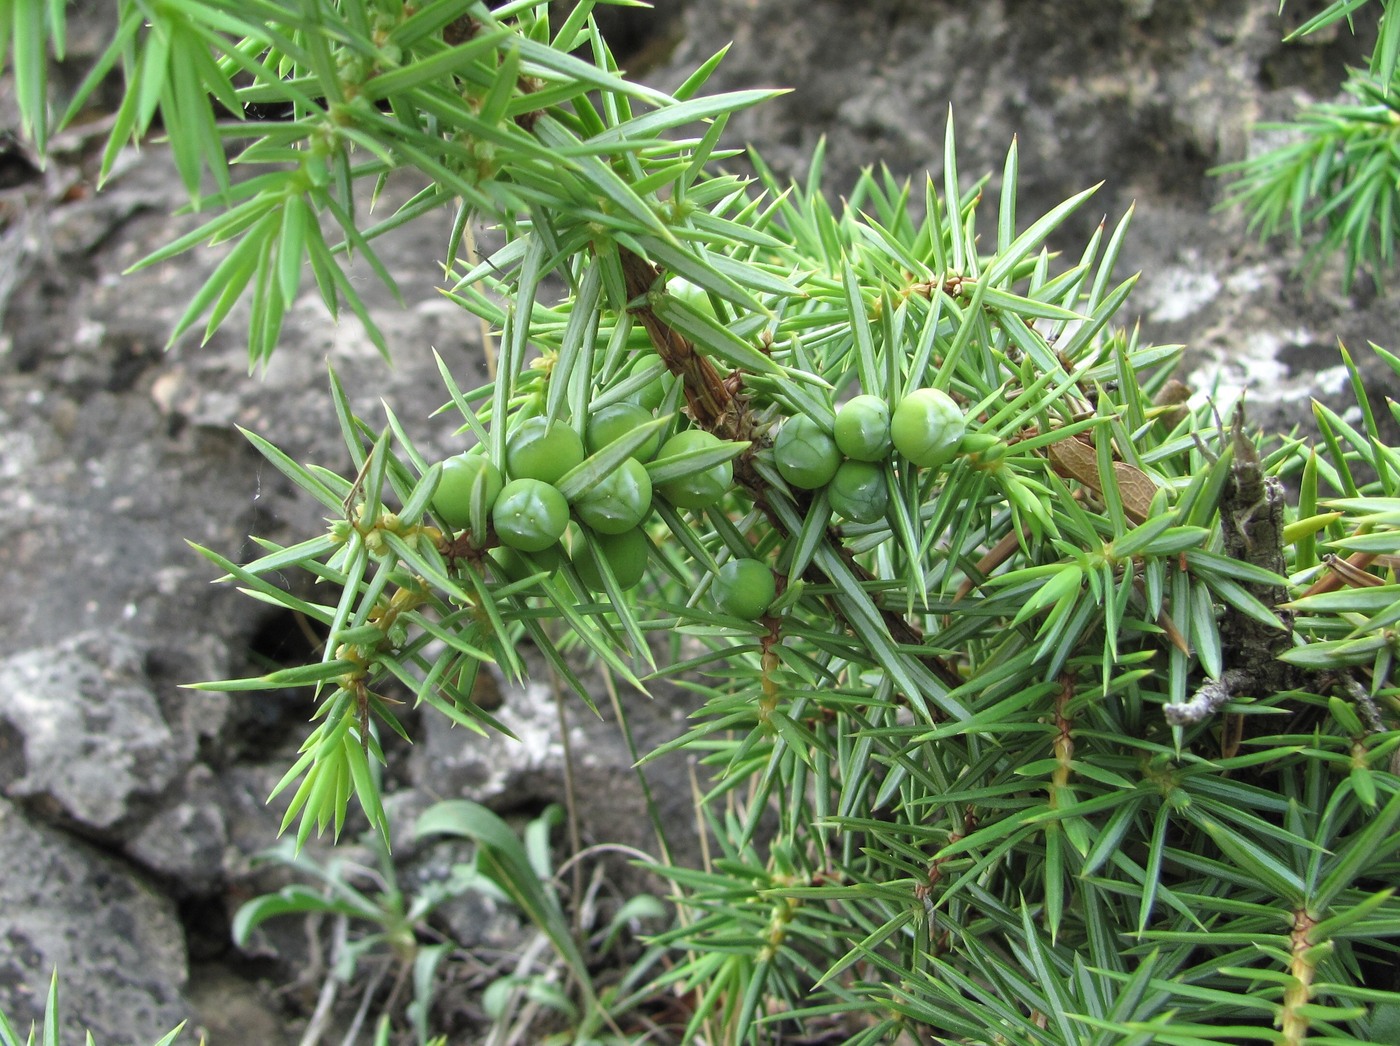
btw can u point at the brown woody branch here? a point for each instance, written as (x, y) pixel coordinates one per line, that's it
(1251, 524)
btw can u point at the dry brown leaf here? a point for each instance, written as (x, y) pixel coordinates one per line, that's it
(1338, 572)
(1075, 458)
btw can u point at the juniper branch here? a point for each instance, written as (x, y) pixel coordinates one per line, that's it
(1251, 524)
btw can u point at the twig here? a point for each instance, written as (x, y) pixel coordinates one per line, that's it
(1210, 698)
(1251, 526)
(367, 996)
(653, 811)
(508, 1035)
(1365, 705)
(330, 988)
(570, 792)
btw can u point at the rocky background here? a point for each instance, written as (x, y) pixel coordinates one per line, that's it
(130, 809)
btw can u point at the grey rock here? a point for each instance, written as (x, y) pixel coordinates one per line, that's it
(90, 737)
(1147, 99)
(231, 1010)
(452, 762)
(185, 838)
(117, 944)
(251, 821)
(117, 452)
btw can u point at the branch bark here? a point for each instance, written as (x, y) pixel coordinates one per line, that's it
(1251, 523)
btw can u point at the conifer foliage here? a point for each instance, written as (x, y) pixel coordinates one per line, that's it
(1042, 700)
